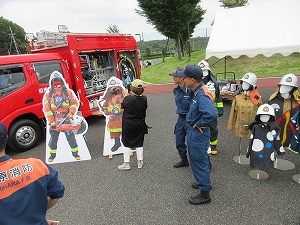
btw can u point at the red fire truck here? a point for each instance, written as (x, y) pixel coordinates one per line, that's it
(87, 61)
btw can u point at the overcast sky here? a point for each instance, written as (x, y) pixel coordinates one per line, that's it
(92, 16)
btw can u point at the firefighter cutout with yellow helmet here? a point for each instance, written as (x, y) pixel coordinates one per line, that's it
(110, 105)
(60, 106)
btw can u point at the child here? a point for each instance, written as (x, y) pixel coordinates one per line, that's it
(133, 123)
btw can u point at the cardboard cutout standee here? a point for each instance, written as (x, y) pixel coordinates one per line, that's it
(60, 106)
(110, 105)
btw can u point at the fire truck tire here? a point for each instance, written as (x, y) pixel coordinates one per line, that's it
(23, 135)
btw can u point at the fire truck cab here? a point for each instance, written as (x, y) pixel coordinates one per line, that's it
(87, 61)
(23, 82)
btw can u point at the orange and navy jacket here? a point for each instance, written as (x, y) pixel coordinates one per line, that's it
(25, 185)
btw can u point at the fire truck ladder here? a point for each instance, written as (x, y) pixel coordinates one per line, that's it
(50, 39)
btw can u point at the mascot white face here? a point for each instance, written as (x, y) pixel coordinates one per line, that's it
(245, 86)
(205, 73)
(284, 90)
(264, 118)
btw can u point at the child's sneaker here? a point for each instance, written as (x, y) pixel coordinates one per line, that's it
(140, 164)
(123, 167)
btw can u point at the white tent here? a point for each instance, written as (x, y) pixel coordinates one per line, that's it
(265, 28)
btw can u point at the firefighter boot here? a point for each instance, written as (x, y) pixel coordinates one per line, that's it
(202, 198)
(76, 156)
(52, 156)
(183, 163)
(117, 144)
(214, 151)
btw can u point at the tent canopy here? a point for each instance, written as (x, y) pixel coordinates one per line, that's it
(265, 28)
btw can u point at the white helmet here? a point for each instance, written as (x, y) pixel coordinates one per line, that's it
(289, 80)
(250, 78)
(114, 82)
(204, 65)
(55, 76)
(265, 109)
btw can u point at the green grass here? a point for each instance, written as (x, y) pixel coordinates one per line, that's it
(262, 66)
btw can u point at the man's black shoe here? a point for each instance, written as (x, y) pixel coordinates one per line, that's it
(195, 186)
(202, 198)
(181, 164)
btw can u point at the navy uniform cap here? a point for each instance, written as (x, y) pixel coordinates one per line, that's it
(3, 133)
(193, 71)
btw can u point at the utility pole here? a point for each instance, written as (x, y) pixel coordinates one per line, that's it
(13, 39)
(189, 41)
(141, 48)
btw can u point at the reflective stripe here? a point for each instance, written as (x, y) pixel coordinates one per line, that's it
(114, 130)
(75, 149)
(53, 151)
(49, 113)
(215, 142)
(219, 104)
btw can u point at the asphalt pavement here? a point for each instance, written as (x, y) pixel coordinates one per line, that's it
(98, 193)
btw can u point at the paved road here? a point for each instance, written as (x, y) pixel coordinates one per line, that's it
(98, 193)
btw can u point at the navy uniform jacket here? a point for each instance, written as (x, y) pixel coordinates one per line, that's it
(202, 109)
(182, 99)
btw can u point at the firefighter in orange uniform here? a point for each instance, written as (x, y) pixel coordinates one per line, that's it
(59, 105)
(110, 105)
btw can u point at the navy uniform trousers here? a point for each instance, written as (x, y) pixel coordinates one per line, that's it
(198, 143)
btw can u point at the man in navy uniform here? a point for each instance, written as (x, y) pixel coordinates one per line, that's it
(29, 187)
(182, 100)
(201, 114)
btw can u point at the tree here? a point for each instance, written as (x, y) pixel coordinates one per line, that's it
(233, 3)
(148, 51)
(173, 18)
(6, 39)
(113, 29)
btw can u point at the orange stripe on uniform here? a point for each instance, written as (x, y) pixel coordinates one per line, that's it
(207, 92)
(16, 174)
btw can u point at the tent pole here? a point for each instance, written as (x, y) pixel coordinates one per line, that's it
(225, 67)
